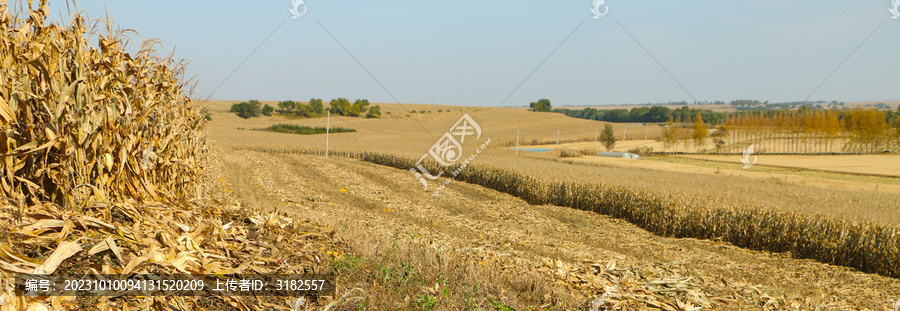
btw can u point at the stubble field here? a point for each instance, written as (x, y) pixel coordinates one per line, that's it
(519, 242)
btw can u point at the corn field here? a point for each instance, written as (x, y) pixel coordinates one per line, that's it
(111, 142)
(79, 123)
(869, 247)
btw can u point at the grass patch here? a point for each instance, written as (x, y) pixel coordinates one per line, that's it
(428, 279)
(305, 130)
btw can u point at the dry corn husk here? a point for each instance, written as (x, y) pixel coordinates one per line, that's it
(81, 123)
(101, 166)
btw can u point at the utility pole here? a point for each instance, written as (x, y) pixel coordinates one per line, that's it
(517, 142)
(625, 132)
(327, 130)
(595, 138)
(557, 138)
(646, 130)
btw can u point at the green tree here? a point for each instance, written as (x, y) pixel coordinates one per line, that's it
(374, 112)
(315, 106)
(286, 107)
(699, 132)
(267, 110)
(303, 110)
(359, 107)
(657, 114)
(340, 106)
(608, 137)
(247, 110)
(542, 105)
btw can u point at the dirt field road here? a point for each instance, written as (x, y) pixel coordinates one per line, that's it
(530, 256)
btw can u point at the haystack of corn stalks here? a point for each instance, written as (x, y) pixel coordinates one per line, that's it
(101, 163)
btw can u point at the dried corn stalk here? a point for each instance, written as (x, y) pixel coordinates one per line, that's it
(81, 123)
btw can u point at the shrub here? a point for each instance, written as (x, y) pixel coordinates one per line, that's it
(641, 151)
(374, 112)
(305, 130)
(247, 110)
(315, 106)
(542, 105)
(340, 106)
(267, 110)
(359, 107)
(569, 153)
(588, 152)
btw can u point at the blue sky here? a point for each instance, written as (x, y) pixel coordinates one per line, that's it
(476, 52)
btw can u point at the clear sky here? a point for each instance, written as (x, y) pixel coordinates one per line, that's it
(470, 52)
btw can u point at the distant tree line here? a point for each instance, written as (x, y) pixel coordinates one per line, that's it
(659, 114)
(808, 130)
(312, 109)
(755, 105)
(804, 130)
(654, 114)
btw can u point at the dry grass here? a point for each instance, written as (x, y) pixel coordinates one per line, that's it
(569, 153)
(582, 252)
(865, 246)
(524, 256)
(872, 165)
(735, 197)
(416, 133)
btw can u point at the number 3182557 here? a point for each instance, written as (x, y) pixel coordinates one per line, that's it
(299, 285)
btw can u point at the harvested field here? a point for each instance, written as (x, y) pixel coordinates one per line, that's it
(701, 191)
(109, 166)
(562, 252)
(873, 165)
(824, 179)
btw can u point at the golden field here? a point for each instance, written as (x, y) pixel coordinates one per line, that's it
(794, 218)
(110, 166)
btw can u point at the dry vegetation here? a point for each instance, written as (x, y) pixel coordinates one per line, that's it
(523, 255)
(812, 132)
(103, 171)
(471, 245)
(866, 246)
(772, 207)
